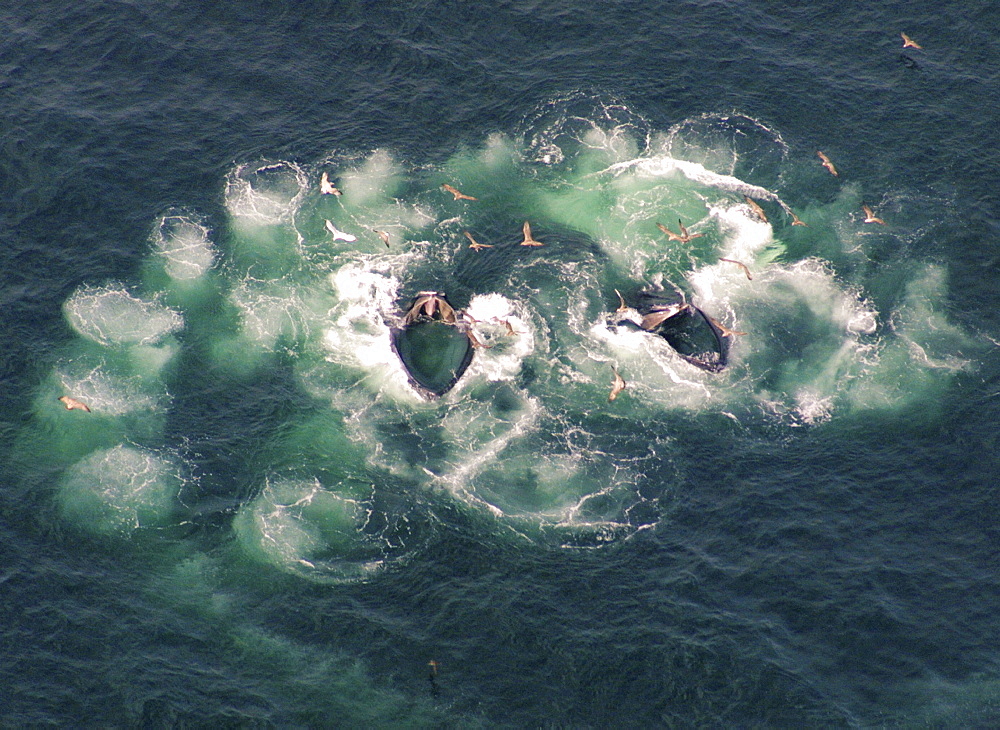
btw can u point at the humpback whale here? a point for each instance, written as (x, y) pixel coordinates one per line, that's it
(433, 345)
(687, 329)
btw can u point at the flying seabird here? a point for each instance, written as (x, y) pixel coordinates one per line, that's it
(796, 221)
(622, 306)
(457, 193)
(827, 164)
(476, 245)
(683, 236)
(756, 208)
(528, 240)
(870, 216)
(383, 235)
(617, 386)
(326, 187)
(475, 341)
(511, 332)
(909, 42)
(339, 235)
(723, 330)
(746, 269)
(74, 404)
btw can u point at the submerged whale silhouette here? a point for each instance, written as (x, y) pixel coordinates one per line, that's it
(434, 346)
(687, 329)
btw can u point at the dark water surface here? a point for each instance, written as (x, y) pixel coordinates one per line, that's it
(259, 523)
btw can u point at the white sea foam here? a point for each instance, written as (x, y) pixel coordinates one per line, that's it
(279, 529)
(107, 392)
(375, 180)
(358, 331)
(184, 243)
(265, 193)
(508, 439)
(301, 526)
(931, 339)
(111, 316)
(122, 488)
(506, 332)
(664, 166)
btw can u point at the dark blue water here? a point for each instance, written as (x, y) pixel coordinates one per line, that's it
(259, 523)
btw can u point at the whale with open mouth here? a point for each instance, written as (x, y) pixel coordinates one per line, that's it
(687, 329)
(433, 344)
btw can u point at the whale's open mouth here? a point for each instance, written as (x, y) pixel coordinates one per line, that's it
(687, 329)
(434, 349)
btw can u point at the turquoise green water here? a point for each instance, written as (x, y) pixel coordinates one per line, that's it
(261, 523)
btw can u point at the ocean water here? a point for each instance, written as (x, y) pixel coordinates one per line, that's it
(260, 524)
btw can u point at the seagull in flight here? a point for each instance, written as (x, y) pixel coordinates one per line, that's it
(622, 306)
(827, 164)
(74, 404)
(617, 386)
(746, 269)
(870, 216)
(755, 207)
(528, 240)
(723, 330)
(457, 193)
(511, 332)
(474, 244)
(339, 235)
(909, 42)
(683, 236)
(326, 187)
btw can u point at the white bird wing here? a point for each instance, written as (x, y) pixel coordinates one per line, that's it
(339, 235)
